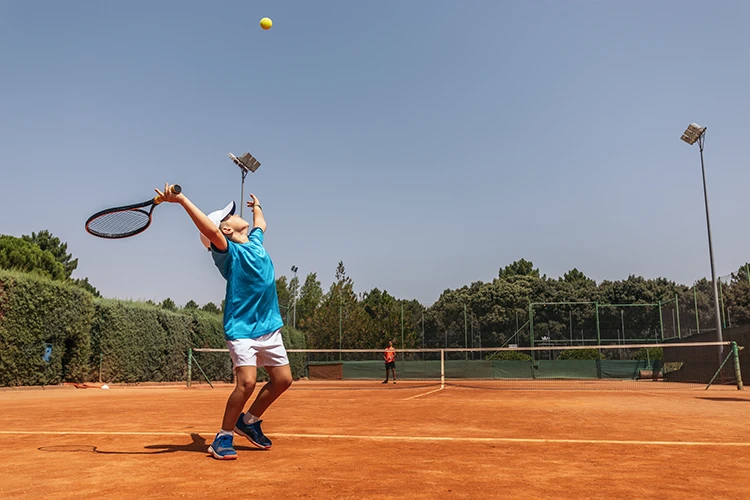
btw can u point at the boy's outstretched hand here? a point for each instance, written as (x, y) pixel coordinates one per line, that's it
(168, 195)
(253, 202)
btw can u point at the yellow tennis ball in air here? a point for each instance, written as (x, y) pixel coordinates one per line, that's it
(266, 23)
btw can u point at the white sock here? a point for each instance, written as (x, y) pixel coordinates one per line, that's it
(249, 419)
(222, 432)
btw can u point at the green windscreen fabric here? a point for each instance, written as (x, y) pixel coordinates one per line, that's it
(487, 369)
(357, 370)
(625, 369)
(566, 369)
(512, 369)
(478, 369)
(366, 370)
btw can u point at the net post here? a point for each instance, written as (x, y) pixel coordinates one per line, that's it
(201, 370)
(737, 372)
(442, 368)
(731, 352)
(190, 366)
(677, 308)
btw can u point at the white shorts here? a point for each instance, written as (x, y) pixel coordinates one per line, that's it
(268, 349)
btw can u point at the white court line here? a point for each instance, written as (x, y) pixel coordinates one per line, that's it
(424, 394)
(102, 433)
(398, 438)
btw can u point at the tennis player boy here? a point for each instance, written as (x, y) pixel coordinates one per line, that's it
(252, 322)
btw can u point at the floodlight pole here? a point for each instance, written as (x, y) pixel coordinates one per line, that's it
(246, 163)
(294, 315)
(719, 335)
(242, 195)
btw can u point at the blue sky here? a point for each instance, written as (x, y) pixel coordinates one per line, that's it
(424, 143)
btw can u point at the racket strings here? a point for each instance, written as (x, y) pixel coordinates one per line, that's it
(120, 223)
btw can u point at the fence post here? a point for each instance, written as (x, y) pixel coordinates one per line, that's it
(442, 368)
(721, 296)
(190, 366)
(531, 325)
(598, 331)
(695, 301)
(677, 308)
(661, 322)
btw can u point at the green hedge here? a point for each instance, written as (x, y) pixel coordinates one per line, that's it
(35, 311)
(208, 331)
(138, 342)
(509, 356)
(295, 339)
(104, 339)
(580, 354)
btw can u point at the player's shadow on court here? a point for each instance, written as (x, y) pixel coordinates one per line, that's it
(197, 445)
(740, 400)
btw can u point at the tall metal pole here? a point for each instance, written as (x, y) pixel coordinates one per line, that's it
(247, 163)
(296, 286)
(422, 329)
(242, 194)
(466, 334)
(719, 335)
(402, 327)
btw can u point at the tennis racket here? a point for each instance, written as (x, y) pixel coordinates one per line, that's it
(122, 222)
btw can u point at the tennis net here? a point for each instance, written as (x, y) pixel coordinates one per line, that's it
(667, 365)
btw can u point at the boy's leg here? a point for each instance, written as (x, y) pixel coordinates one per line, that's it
(280, 381)
(248, 424)
(386, 374)
(243, 389)
(393, 369)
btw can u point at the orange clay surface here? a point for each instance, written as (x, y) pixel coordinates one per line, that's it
(367, 440)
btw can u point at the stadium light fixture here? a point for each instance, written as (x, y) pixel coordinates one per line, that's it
(247, 163)
(695, 133)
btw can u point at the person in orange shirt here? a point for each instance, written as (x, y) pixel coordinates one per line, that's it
(390, 361)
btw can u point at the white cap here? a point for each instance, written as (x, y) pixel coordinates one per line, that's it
(216, 217)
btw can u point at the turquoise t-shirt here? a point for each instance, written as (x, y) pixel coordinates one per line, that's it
(251, 307)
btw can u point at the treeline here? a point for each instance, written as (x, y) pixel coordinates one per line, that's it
(495, 313)
(483, 314)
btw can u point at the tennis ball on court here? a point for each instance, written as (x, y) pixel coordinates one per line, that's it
(266, 23)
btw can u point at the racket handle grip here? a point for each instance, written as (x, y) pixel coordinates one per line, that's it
(176, 189)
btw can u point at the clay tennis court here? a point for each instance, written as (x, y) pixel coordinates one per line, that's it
(367, 440)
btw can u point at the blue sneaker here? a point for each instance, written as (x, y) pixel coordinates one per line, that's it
(252, 432)
(222, 448)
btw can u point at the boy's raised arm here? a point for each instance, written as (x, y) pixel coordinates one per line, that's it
(258, 219)
(202, 222)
